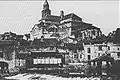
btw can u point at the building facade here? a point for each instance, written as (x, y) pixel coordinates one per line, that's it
(63, 26)
(114, 50)
(93, 51)
(67, 29)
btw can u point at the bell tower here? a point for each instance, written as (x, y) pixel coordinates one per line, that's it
(46, 10)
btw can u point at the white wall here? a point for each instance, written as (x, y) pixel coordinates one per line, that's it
(114, 50)
(94, 51)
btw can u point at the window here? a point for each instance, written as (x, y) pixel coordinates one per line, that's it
(89, 50)
(47, 61)
(75, 56)
(118, 48)
(80, 55)
(51, 48)
(108, 47)
(118, 54)
(80, 35)
(93, 32)
(100, 48)
(89, 57)
(98, 54)
(109, 54)
(97, 33)
(1, 54)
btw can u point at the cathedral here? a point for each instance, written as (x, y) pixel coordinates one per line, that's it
(68, 27)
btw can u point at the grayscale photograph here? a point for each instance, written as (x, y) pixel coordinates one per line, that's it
(59, 40)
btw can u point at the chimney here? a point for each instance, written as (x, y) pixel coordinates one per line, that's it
(61, 14)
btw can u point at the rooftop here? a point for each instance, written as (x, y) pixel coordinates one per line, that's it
(51, 18)
(73, 16)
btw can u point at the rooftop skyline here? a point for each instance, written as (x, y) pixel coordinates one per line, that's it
(21, 16)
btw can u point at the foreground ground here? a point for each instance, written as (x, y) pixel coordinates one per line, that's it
(26, 76)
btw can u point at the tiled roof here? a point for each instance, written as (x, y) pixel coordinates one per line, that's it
(55, 35)
(57, 18)
(51, 42)
(73, 46)
(88, 26)
(45, 42)
(22, 55)
(84, 27)
(73, 16)
(9, 33)
(53, 25)
(95, 41)
(24, 42)
(45, 54)
(19, 36)
(52, 18)
(104, 58)
(7, 42)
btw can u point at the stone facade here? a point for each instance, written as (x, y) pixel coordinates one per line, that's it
(63, 26)
(71, 29)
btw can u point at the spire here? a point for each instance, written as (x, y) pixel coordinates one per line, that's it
(46, 10)
(46, 2)
(45, 5)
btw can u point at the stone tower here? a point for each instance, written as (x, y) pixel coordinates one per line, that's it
(46, 10)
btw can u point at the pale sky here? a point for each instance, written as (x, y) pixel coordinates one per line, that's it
(20, 16)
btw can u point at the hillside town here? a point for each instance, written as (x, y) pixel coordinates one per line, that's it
(63, 41)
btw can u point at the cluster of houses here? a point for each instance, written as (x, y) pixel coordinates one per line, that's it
(82, 40)
(63, 33)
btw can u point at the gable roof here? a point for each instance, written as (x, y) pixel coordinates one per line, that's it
(73, 16)
(55, 35)
(53, 26)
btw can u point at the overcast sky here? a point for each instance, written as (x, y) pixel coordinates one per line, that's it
(20, 16)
